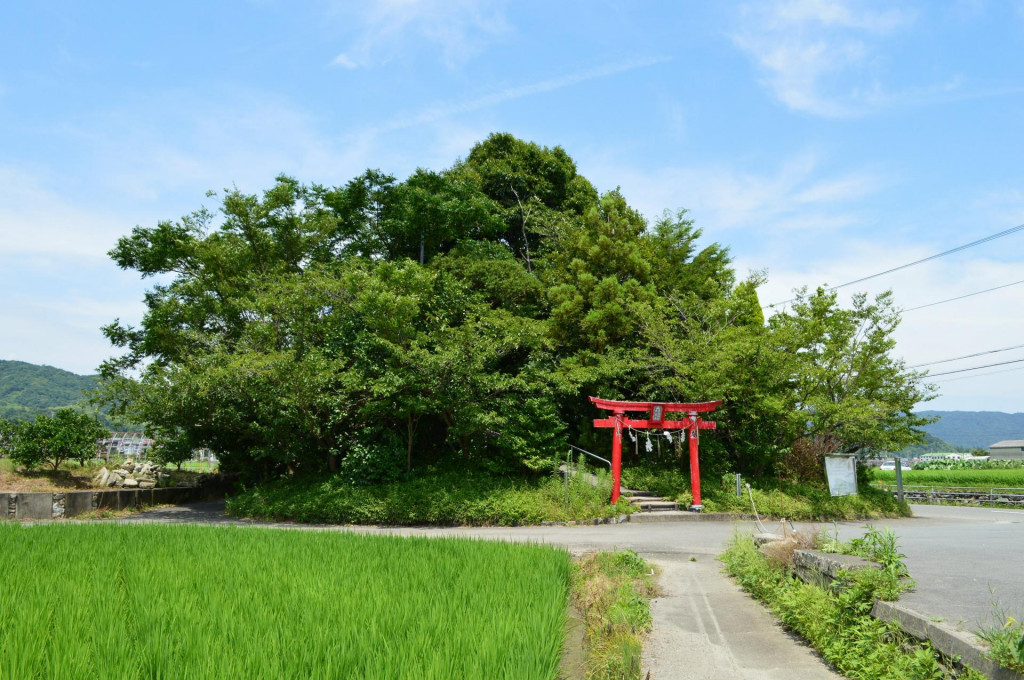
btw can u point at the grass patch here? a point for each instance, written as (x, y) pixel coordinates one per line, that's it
(804, 502)
(434, 497)
(126, 602)
(69, 477)
(1005, 638)
(612, 592)
(837, 621)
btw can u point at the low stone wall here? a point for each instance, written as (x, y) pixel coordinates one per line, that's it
(45, 505)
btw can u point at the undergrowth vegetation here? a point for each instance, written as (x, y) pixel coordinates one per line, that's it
(612, 592)
(837, 621)
(1005, 638)
(473, 497)
(213, 602)
(772, 497)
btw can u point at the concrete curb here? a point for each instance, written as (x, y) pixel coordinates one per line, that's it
(822, 569)
(952, 643)
(685, 516)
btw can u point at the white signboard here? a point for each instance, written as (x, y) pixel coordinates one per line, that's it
(842, 475)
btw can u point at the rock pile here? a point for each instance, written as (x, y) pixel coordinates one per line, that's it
(130, 475)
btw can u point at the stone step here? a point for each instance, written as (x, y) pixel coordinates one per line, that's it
(633, 493)
(654, 505)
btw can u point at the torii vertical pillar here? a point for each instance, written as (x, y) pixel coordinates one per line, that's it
(656, 412)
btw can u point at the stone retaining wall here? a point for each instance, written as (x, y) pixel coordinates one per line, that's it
(46, 505)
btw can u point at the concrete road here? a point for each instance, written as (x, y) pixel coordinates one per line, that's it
(962, 559)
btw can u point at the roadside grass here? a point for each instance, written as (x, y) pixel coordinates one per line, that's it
(837, 621)
(114, 601)
(1005, 638)
(444, 497)
(803, 502)
(612, 592)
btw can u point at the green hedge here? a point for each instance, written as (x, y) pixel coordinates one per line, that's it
(448, 497)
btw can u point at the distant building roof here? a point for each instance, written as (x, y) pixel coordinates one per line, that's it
(1008, 444)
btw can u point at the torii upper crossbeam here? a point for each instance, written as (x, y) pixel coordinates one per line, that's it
(656, 419)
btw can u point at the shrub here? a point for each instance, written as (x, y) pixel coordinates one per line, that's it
(66, 435)
(432, 496)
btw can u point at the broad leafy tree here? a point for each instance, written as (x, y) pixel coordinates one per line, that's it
(465, 315)
(53, 440)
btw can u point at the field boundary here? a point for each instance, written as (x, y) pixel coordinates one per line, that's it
(959, 495)
(58, 504)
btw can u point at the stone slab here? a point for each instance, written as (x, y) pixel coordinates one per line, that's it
(952, 643)
(77, 502)
(106, 500)
(127, 498)
(34, 506)
(823, 568)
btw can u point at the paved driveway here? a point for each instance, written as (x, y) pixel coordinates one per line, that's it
(962, 559)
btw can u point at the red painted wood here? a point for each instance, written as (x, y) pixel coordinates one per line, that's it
(670, 407)
(656, 424)
(694, 468)
(692, 425)
(617, 458)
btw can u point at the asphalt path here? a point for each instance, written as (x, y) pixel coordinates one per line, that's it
(967, 562)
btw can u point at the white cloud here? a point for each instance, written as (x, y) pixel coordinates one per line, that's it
(797, 195)
(944, 331)
(35, 219)
(816, 56)
(458, 29)
(442, 111)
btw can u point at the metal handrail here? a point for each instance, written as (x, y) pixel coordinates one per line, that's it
(592, 455)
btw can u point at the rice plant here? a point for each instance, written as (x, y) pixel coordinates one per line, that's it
(116, 601)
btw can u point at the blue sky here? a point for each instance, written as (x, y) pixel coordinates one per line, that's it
(821, 140)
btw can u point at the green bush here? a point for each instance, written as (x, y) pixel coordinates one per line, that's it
(433, 497)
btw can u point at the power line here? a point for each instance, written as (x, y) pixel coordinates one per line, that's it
(991, 237)
(966, 356)
(981, 375)
(975, 368)
(961, 297)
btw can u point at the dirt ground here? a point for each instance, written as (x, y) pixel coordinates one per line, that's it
(12, 480)
(72, 478)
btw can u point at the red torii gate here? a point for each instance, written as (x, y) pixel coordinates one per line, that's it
(656, 412)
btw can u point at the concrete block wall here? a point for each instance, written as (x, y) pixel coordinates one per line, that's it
(46, 505)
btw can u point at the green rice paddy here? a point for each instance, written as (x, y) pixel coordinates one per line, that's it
(151, 601)
(1006, 478)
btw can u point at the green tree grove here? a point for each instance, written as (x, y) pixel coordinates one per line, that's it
(465, 315)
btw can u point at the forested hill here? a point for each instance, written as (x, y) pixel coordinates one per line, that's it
(28, 389)
(975, 428)
(933, 444)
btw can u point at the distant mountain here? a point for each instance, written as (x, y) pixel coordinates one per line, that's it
(975, 428)
(27, 390)
(933, 444)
